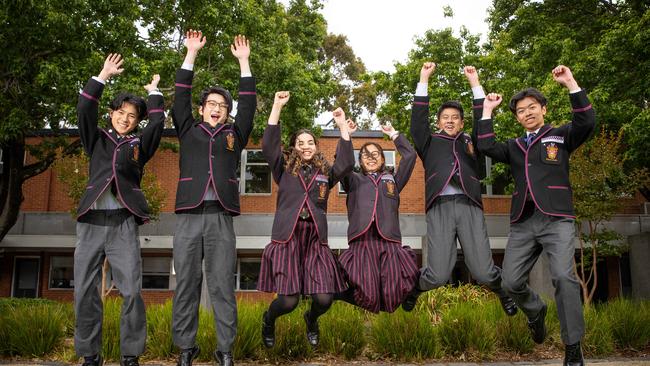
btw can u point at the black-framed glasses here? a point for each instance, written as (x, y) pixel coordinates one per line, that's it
(371, 155)
(212, 104)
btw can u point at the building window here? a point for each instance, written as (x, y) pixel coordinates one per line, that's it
(255, 174)
(390, 164)
(156, 272)
(248, 270)
(495, 184)
(61, 272)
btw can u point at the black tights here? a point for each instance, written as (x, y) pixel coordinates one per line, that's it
(347, 296)
(285, 304)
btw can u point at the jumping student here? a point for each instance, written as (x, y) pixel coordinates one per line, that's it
(380, 271)
(207, 198)
(298, 260)
(454, 209)
(110, 211)
(541, 214)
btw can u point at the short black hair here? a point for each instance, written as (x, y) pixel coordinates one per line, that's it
(138, 102)
(528, 92)
(216, 90)
(451, 104)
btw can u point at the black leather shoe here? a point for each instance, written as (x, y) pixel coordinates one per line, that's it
(187, 356)
(573, 355)
(537, 326)
(268, 332)
(508, 305)
(129, 361)
(224, 358)
(408, 304)
(313, 333)
(95, 360)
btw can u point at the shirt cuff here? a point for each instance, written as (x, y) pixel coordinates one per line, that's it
(188, 67)
(478, 92)
(96, 78)
(246, 74)
(421, 90)
(575, 91)
(155, 92)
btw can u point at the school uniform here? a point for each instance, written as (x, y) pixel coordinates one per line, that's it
(542, 216)
(108, 216)
(381, 271)
(207, 198)
(454, 209)
(298, 259)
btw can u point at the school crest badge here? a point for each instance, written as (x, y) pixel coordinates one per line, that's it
(551, 152)
(322, 191)
(390, 188)
(136, 153)
(230, 141)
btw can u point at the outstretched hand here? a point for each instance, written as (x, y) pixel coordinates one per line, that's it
(472, 76)
(112, 66)
(194, 40)
(153, 85)
(425, 72)
(240, 47)
(564, 77)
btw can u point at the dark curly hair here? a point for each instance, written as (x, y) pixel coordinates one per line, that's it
(293, 161)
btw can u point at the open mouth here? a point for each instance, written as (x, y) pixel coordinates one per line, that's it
(215, 117)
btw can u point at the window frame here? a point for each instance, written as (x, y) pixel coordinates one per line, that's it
(242, 174)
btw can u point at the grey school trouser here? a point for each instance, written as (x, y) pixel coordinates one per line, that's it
(452, 217)
(121, 245)
(527, 240)
(210, 237)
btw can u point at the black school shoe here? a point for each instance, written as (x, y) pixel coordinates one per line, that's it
(187, 356)
(573, 355)
(409, 302)
(224, 358)
(508, 305)
(129, 361)
(95, 360)
(537, 326)
(268, 332)
(313, 333)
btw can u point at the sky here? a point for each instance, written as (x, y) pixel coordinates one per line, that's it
(381, 32)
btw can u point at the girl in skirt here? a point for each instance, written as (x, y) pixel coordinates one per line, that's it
(298, 260)
(380, 271)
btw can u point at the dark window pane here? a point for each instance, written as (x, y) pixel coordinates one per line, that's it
(155, 282)
(258, 179)
(255, 156)
(61, 272)
(248, 273)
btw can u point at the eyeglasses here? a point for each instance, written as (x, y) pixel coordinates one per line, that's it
(372, 155)
(212, 104)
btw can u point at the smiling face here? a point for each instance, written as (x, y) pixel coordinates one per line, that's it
(371, 159)
(306, 146)
(450, 121)
(214, 110)
(530, 113)
(124, 119)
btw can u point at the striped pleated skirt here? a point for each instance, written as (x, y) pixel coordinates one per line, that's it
(380, 272)
(300, 266)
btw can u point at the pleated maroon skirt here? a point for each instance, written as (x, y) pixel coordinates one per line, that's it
(380, 272)
(300, 266)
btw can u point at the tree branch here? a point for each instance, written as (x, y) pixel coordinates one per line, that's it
(41, 166)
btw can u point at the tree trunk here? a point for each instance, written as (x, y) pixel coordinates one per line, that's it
(11, 184)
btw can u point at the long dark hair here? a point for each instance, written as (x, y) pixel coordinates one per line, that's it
(293, 161)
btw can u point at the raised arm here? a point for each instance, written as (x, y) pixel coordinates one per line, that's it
(182, 109)
(478, 96)
(583, 122)
(406, 165)
(152, 133)
(344, 157)
(420, 130)
(271, 148)
(247, 102)
(486, 140)
(88, 104)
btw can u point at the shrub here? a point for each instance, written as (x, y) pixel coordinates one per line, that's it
(598, 339)
(630, 323)
(342, 331)
(404, 336)
(32, 329)
(468, 328)
(249, 327)
(206, 337)
(290, 337)
(159, 336)
(512, 331)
